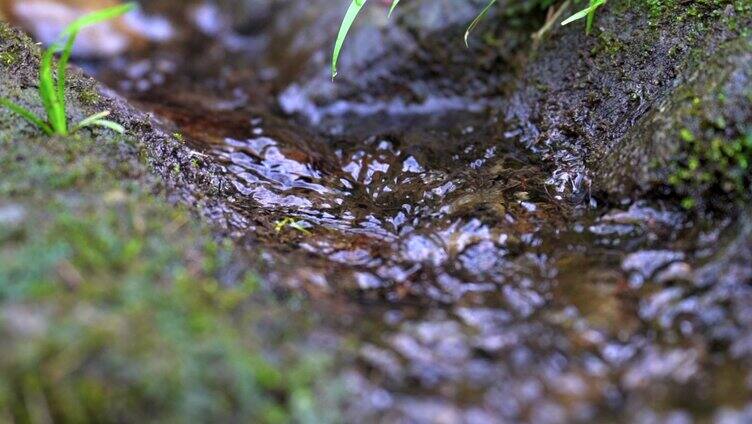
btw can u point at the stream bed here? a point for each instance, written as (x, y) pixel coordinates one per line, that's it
(469, 281)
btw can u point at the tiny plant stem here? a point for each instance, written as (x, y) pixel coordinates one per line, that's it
(292, 223)
(477, 20)
(588, 12)
(62, 66)
(99, 16)
(104, 123)
(594, 4)
(90, 119)
(72, 31)
(550, 22)
(53, 94)
(48, 93)
(392, 7)
(97, 121)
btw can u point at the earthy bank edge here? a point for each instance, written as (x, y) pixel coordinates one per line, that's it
(117, 305)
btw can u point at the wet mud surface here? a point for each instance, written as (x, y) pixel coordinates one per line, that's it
(474, 281)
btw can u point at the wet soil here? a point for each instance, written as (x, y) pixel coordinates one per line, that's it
(456, 238)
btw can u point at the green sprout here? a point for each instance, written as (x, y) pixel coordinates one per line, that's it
(392, 7)
(589, 12)
(347, 21)
(477, 20)
(356, 5)
(292, 223)
(53, 93)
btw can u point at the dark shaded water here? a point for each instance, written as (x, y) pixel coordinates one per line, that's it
(474, 288)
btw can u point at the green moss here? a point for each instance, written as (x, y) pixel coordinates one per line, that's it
(656, 7)
(89, 97)
(609, 44)
(116, 306)
(709, 165)
(662, 11)
(128, 313)
(5, 31)
(8, 58)
(717, 165)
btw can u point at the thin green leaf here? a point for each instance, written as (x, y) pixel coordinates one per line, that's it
(588, 11)
(97, 17)
(71, 33)
(48, 93)
(350, 15)
(579, 15)
(292, 223)
(114, 126)
(26, 114)
(88, 120)
(594, 4)
(62, 67)
(392, 7)
(477, 20)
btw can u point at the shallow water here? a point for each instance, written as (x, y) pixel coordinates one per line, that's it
(474, 285)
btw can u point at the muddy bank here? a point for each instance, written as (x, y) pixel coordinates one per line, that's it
(452, 209)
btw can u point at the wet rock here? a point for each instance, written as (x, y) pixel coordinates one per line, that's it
(609, 116)
(711, 89)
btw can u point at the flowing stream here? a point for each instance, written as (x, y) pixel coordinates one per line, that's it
(472, 288)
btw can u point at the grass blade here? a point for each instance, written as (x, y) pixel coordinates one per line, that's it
(114, 126)
(48, 93)
(88, 120)
(477, 20)
(62, 67)
(588, 12)
(97, 17)
(392, 7)
(577, 16)
(26, 114)
(352, 13)
(594, 4)
(71, 33)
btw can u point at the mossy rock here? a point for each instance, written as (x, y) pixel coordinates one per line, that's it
(602, 113)
(695, 142)
(117, 305)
